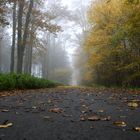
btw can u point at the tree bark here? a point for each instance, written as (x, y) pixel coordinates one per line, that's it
(28, 56)
(28, 20)
(23, 40)
(13, 39)
(19, 43)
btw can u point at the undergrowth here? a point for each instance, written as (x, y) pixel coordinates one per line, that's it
(23, 81)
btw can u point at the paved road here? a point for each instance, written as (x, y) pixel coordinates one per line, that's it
(70, 114)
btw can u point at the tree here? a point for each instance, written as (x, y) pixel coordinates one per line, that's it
(112, 43)
(22, 39)
(13, 38)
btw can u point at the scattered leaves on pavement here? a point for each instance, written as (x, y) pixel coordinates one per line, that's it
(137, 129)
(6, 125)
(4, 110)
(93, 118)
(56, 110)
(108, 118)
(82, 118)
(100, 111)
(133, 104)
(120, 123)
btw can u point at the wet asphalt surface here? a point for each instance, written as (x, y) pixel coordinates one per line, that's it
(32, 119)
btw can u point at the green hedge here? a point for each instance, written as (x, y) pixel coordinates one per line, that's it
(23, 81)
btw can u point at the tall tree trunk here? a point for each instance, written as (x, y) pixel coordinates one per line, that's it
(22, 42)
(31, 53)
(13, 39)
(44, 66)
(48, 57)
(28, 56)
(19, 43)
(28, 20)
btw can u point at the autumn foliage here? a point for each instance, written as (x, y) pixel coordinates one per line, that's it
(113, 43)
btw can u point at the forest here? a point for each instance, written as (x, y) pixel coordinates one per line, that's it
(94, 43)
(69, 69)
(29, 41)
(111, 47)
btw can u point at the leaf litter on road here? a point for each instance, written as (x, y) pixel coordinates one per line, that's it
(120, 123)
(95, 118)
(137, 129)
(5, 110)
(133, 104)
(5, 124)
(56, 110)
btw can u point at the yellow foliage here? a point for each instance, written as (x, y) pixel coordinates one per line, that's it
(113, 39)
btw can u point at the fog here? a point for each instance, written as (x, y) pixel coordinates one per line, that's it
(57, 28)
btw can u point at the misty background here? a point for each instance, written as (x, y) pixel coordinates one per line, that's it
(54, 53)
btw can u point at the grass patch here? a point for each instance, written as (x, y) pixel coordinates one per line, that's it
(23, 81)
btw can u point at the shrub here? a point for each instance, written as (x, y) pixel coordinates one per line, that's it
(23, 81)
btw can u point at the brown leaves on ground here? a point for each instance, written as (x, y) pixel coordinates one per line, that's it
(85, 109)
(56, 110)
(20, 92)
(99, 118)
(95, 118)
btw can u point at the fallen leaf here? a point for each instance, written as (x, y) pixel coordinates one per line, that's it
(82, 119)
(83, 111)
(67, 115)
(108, 118)
(6, 125)
(93, 118)
(5, 110)
(47, 117)
(100, 111)
(120, 123)
(34, 107)
(137, 129)
(135, 100)
(17, 113)
(56, 110)
(92, 127)
(49, 101)
(133, 104)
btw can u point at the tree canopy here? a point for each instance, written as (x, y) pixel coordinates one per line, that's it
(113, 43)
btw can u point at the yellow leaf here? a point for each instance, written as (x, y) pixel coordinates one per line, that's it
(6, 125)
(137, 129)
(120, 123)
(133, 104)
